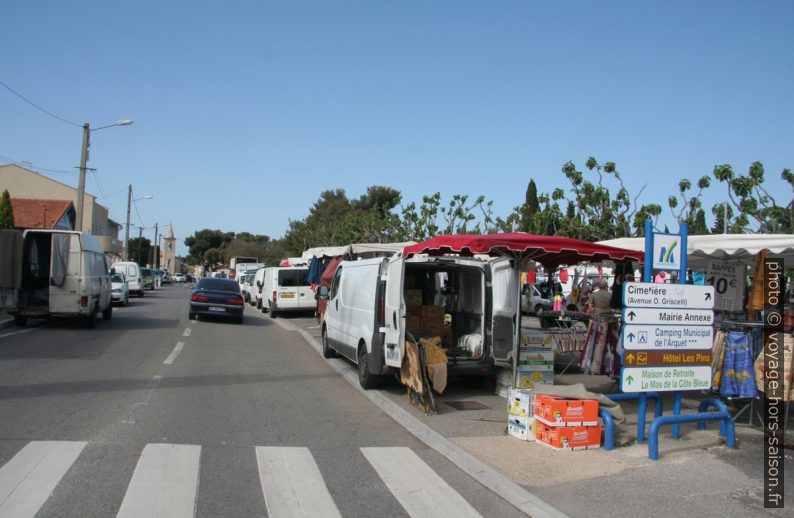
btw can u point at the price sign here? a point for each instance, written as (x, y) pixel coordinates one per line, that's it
(728, 287)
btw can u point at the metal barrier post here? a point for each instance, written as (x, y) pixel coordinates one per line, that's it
(677, 412)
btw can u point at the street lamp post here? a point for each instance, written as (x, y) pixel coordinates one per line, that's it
(83, 161)
(129, 205)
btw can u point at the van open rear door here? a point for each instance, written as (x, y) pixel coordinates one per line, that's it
(10, 267)
(504, 317)
(394, 318)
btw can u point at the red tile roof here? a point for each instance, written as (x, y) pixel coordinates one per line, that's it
(34, 213)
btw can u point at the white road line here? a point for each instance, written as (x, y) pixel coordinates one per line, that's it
(29, 478)
(19, 332)
(164, 482)
(187, 332)
(292, 483)
(174, 353)
(415, 485)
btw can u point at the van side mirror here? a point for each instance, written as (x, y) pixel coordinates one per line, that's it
(322, 292)
(258, 284)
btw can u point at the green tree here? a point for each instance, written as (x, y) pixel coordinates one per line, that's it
(203, 240)
(530, 208)
(699, 226)
(690, 206)
(139, 250)
(757, 208)
(6, 211)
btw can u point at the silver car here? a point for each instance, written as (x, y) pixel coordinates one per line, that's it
(532, 302)
(120, 292)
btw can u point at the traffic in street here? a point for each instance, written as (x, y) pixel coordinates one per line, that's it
(153, 413)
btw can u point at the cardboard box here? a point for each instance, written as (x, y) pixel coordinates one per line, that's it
(413, 311)
(521, 427)
(529, 377)
(568, 438)
(433, 313)
(539, 359)
(521, 402)
(412, 297)
(536, 338)
(556, 411)
(413, 324)
(409, 281)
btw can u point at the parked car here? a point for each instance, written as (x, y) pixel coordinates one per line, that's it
(147, 278)
(64, 274)
(132, 274)
(256, 290)
(165, 277)
(216, 297)
(532, 301)
(241, 279)
(120, 292)
(180, 277)
(287, 289)
(374, 304)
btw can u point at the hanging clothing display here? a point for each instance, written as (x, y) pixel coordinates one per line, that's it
(788, 368)
(600, 355)
(738, 379)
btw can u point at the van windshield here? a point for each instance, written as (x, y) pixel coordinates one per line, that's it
(293, 278)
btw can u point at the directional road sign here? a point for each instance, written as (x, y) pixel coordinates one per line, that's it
(662, 379)
(666, 358)
(668, 296)
(678, 317)
(653, 337)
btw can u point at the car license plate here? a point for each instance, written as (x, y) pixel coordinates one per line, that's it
(287, 295)
(216, 308)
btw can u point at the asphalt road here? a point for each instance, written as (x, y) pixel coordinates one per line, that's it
(152, 413)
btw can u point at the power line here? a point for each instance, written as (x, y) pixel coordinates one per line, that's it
(140, 219)
(38, 107)
(36, 168)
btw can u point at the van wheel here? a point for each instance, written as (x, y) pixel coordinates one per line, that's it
(140, 293)
(327, 351)
(108, 313)
(20, 320)
(270, 310)
(366, 379)
(258, 303)
(90, 320)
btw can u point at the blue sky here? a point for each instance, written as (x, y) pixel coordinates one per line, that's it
(245, 111)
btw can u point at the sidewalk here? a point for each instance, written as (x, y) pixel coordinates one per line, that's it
(696, 474)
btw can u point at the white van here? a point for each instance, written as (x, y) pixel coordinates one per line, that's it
(256, 293)
(132, 273)
(287, 289)
(64, 274)
(471, 304)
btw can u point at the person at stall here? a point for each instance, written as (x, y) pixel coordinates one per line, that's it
(600, 299)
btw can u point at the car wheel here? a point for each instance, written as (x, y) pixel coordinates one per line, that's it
(140, 293)
(538, 310)
(239, 319)
(108, 313)
(90, 320)
(366, 379)
(191, 316)
(258, 303)
(127, 299)
(20, 320)
(271, 310)
(327, 351)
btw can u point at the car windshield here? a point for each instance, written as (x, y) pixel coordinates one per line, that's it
(117, 278)
(216, 284)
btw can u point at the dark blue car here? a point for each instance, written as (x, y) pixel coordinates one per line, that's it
(218, 298)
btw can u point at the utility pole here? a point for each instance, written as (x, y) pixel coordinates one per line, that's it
(81, 184)
(156, 254)
(127, 231)
(140, 244)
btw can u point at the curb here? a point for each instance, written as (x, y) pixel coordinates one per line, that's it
(475, 468)
(6, 323)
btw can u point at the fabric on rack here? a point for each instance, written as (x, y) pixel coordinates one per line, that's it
(738, 379)
(788, 369)
(569, 340)
(600, 355)
(717, 359)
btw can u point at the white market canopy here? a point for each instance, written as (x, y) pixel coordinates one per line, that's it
(734, 248)
(355, 249)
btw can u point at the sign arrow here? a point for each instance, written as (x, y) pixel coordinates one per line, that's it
(630, 337)
(630, 359)
(630, 379)
(708, 296)
(631, 315)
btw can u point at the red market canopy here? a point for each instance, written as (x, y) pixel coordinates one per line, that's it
(550, 251)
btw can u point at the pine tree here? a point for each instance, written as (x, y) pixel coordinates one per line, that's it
(6, 212)
(531, 206)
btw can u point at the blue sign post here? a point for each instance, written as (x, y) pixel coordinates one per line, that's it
(668, 252)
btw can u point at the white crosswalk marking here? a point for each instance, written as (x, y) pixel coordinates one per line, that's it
(164, 482)
(292, 483)
(29, 478)
(415, 485)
